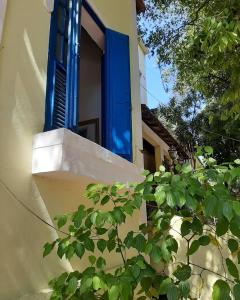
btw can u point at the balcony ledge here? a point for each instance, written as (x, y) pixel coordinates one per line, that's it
(63, 154)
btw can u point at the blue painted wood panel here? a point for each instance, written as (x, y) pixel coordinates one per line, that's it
(63, 66)
(117, 112)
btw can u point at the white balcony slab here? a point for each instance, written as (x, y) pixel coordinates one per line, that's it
(61, 153)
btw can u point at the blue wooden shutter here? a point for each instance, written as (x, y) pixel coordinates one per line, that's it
(117, 121)
(63, 66)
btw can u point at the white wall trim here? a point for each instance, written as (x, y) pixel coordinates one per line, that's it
(61, 153)
(49, 4)
(3, 7)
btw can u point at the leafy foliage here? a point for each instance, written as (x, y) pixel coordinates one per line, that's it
(197, 43)
(197, 46)
(194, 125)
(206, 201)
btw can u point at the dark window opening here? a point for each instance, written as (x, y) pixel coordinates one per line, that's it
(90, 89)
(150, 165)
(149, 156)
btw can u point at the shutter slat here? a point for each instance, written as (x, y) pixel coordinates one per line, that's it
(59, 98)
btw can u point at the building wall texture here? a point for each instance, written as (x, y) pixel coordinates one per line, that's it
(23, 68)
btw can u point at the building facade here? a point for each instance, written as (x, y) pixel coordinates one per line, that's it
(70, 115)
(71, 88)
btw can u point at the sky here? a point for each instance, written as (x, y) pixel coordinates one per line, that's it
(156, 92)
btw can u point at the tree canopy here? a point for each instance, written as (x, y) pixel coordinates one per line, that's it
(197, 46)
(198, 42)
(190, 124)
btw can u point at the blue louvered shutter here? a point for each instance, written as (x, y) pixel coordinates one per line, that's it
(117, 121)
(63, 66)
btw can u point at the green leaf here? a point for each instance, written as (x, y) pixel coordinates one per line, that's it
(171, 201)
(101, 263)
(101, 244)
(136, 271)
(70, 251)
(162, 169)
(232, 245)
(112, 233)
(185, 228)
(155, 254)
(235, 227)
(191, 202)
(128, 208)
(101, 231)
(79, 249)
(149, 197)
(111, 244)
(114, 292)
(235, 172)
(184, 288)
(149, 178)
(172, 292)
(61, 220)
(100, 220)
(187, 168)
(172, 245)
(196, 226)
(238, 256)
(89, 244)
(92, 187)
(208, 150)
(126, 291)
(85, 284)
(97, 283)
(232, 269)
(105, 199)
(61, 249)
(237, 161)
(160, 197)
(146, 283)
(227, 210)
(164, 285)
(92, 259)
(78, 216)
(139, 242)
(194, 247)
(221, 291)
(118, 215)
(183, 272)
(236, 207)
(48, 248)
(72, 286)
(222, 227)
(204, 240)
(210, 205)
(236, 291)
(128, 241)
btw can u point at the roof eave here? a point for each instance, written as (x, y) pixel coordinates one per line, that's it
(140, 6)
(154, 123)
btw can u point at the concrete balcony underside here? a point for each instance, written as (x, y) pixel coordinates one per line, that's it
(62, 154)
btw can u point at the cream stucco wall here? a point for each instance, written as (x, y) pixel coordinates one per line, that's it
(142, 51)
(23, 67)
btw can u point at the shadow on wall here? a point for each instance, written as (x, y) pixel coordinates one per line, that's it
(209, 257)
(23, 65)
